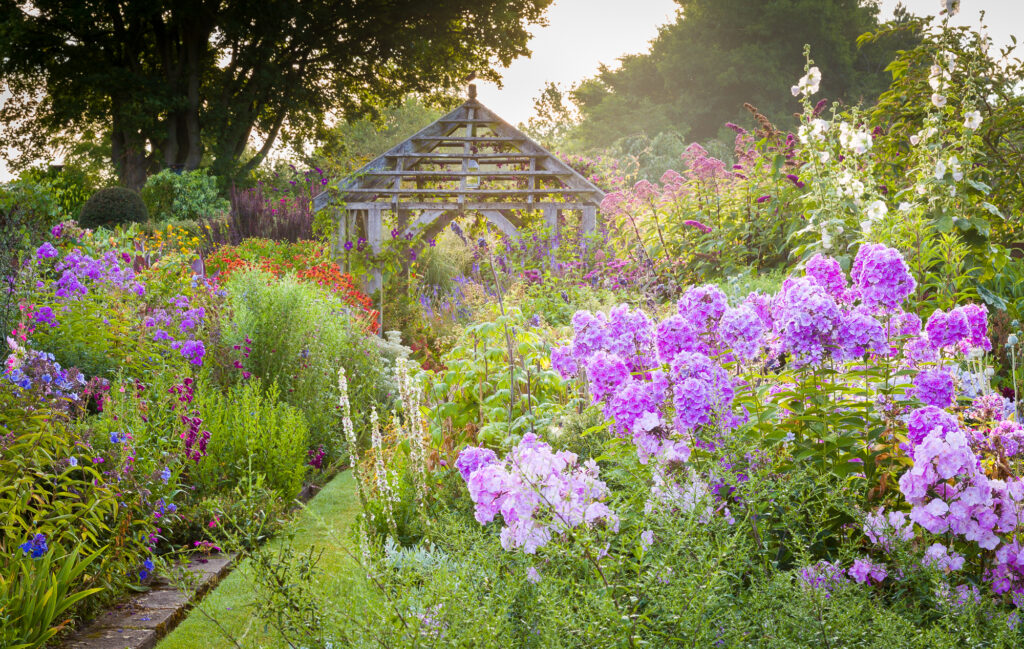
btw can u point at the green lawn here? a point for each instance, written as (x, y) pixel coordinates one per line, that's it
(324, 522)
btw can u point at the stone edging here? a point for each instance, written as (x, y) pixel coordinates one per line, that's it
(144, 619)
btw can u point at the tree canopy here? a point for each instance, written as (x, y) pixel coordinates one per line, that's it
(720, 54)
(190, 82)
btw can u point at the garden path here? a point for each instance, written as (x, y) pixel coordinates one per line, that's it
(323, 522)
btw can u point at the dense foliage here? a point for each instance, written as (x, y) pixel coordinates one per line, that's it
(720, 54)
(169, 83)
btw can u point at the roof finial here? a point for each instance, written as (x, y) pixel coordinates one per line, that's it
(472, 91)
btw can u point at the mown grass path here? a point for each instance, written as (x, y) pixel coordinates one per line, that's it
(324, 522)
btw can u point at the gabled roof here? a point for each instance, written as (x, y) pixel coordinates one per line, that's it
(468, 159)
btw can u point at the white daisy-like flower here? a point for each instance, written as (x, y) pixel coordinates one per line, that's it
(972, 120)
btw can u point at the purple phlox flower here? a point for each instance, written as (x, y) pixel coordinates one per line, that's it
(563, 361)
(193, 350)
(934, 387)
(701, 388)
(824, 575)
(947, 329)
(703, 306)
(45, 251)
(827, 272)
(44, 314)
(884, 530)
(605, 372)
(859, 334)
(539, 493)
(808, 320)
(942, 558)
(472, 458)
(741, 330)
(864, 571)
(881, 276)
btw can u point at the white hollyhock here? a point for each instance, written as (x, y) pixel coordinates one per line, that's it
(808, 84)
(940, 170)
(938, 100)
(972, 120)
(876, 211)
(861, 142)
(813, 132)
(954, 168)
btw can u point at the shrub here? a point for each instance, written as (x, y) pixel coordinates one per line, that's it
(297, 335)
(69, 186)
(186, 196)
(252, 432)
(113, 206)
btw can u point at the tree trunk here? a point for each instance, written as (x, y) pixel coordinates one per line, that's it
(128, 153)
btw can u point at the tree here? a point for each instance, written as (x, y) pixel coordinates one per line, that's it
(180, 82)
(719, 54)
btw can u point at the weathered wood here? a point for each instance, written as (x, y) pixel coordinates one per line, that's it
(501, 222)
(470, 206)
(589, 219)
(442, 191)
(455, 155)
(551, 222)
(415, 174)
(375, 237)
(453, 138)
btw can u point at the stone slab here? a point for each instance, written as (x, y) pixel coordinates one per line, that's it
(138, 623)
(115, 639)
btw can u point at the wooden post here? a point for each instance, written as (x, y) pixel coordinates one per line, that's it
(589, 219)
(551, 221)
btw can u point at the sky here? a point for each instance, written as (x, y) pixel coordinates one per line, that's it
(581, 35)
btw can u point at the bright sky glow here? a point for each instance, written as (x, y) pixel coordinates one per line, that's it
(583, 34)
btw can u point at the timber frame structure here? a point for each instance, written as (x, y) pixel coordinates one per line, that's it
(470, 160)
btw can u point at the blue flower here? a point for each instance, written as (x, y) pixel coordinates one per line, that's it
(36, 546)
(165, 475)
(73, 461)
(117, 438)
(147, 569)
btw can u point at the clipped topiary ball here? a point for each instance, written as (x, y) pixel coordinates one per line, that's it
(113, 206)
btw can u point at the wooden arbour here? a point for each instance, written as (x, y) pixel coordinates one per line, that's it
(469, 161)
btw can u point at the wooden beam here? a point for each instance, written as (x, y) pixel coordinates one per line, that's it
(457, 155)
(412, 174)
(425, 218)
(500, 222)
(441, 191)
(475, 206)
(549, 162)
(452, 138)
